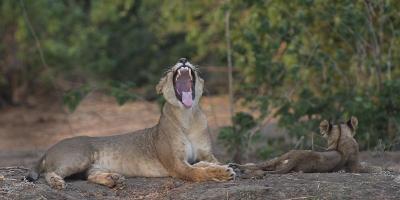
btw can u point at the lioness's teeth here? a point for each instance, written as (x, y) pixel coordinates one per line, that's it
(190, 74)
(179, 74)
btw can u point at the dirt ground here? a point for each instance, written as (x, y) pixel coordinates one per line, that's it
(38, 127)
(26, 132)
(288, 186)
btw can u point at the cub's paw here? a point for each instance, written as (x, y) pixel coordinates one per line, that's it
(220, 173)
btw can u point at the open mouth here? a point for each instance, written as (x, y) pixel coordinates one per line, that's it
(184, 82)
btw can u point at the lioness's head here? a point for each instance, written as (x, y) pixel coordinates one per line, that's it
(335, 132)
(181, 85)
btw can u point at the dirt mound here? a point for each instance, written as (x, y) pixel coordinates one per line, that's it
(289, 186)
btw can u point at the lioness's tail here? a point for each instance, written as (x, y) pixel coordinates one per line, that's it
(34, 173)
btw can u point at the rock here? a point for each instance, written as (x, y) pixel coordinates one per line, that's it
(1, 178)
(397, 179)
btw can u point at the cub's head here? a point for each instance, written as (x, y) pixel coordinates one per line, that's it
(336, 133)
(181, 85)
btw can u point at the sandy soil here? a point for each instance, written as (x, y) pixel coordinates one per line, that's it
(289, 186)
(38, 127)
(25, 132)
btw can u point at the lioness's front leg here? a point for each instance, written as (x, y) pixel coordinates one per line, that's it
(206, 155)
(202, 171)
(175, 162)
(202, 142)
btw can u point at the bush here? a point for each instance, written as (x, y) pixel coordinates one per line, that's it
(237, 137)
(288, 63)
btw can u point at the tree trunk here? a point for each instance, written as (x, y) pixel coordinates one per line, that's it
(14, 89)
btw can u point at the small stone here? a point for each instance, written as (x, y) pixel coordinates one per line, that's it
(397, 179)
(1, 178)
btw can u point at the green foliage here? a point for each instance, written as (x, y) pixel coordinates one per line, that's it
(315, 60)
(272, 148)
(309, 59)
(237, 137)
(73, 98)
(96, 42)
(121, 91)
(381, 114)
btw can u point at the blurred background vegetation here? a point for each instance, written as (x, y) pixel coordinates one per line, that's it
(299, 61)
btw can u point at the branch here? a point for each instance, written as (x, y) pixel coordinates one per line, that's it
(229, 57)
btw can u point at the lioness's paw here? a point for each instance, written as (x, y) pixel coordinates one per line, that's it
(58, 184)
(231, 171)
(221, 173)
(111, 180)
(236, 168)
(55, 181)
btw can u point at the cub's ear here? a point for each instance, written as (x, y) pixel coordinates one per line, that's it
(160, 85)
(325, 126)
(352, 123)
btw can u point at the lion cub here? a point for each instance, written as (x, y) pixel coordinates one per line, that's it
(342, 154)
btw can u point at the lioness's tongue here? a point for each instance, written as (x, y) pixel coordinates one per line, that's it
(187, 99)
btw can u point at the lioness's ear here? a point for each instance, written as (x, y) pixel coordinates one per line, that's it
(325, 127)
(352, 123)
(161, 84)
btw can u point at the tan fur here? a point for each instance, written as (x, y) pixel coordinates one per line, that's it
(54, 180)
(342, 153)
(167, 149)
(107, 178)
(340, 138)
(306, 161)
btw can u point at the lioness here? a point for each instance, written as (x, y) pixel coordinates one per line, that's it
(342, 152)
(170, 148)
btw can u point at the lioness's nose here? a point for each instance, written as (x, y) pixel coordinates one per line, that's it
(182, 60)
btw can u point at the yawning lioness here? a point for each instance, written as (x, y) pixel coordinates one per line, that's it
(177, 146)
